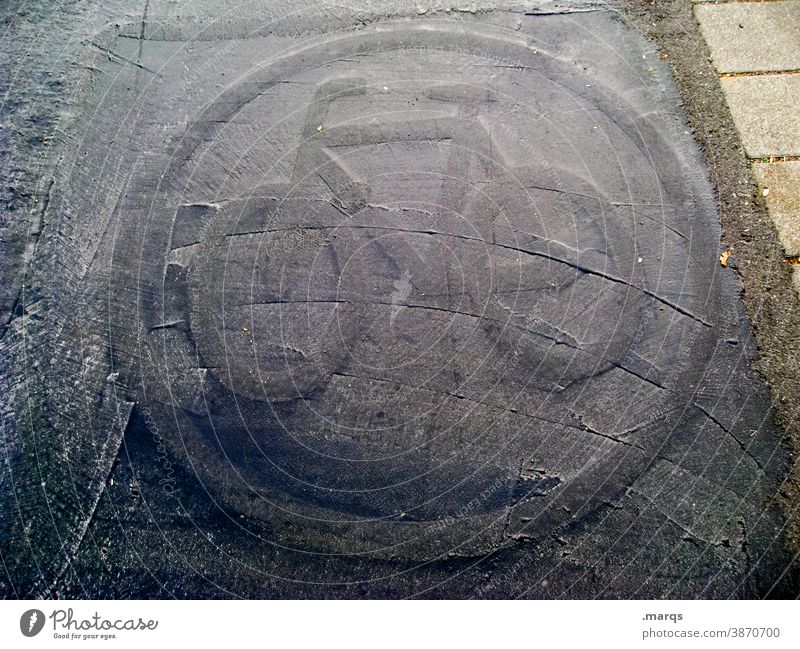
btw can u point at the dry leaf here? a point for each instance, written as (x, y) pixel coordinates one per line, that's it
(723, 258)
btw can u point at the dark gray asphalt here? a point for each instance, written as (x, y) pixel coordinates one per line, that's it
(325, 302)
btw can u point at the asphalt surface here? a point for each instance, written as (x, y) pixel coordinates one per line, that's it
(325, 302)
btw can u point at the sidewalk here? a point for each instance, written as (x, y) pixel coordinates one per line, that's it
(755, 48)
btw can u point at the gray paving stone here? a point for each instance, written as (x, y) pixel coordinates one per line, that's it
(781, 181)
(765, 111)
(752, 37)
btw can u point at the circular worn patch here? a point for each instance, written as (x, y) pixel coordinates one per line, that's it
(393, 308)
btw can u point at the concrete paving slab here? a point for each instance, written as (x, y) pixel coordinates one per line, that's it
(780, 181)
(752, 37)
(765, 110)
